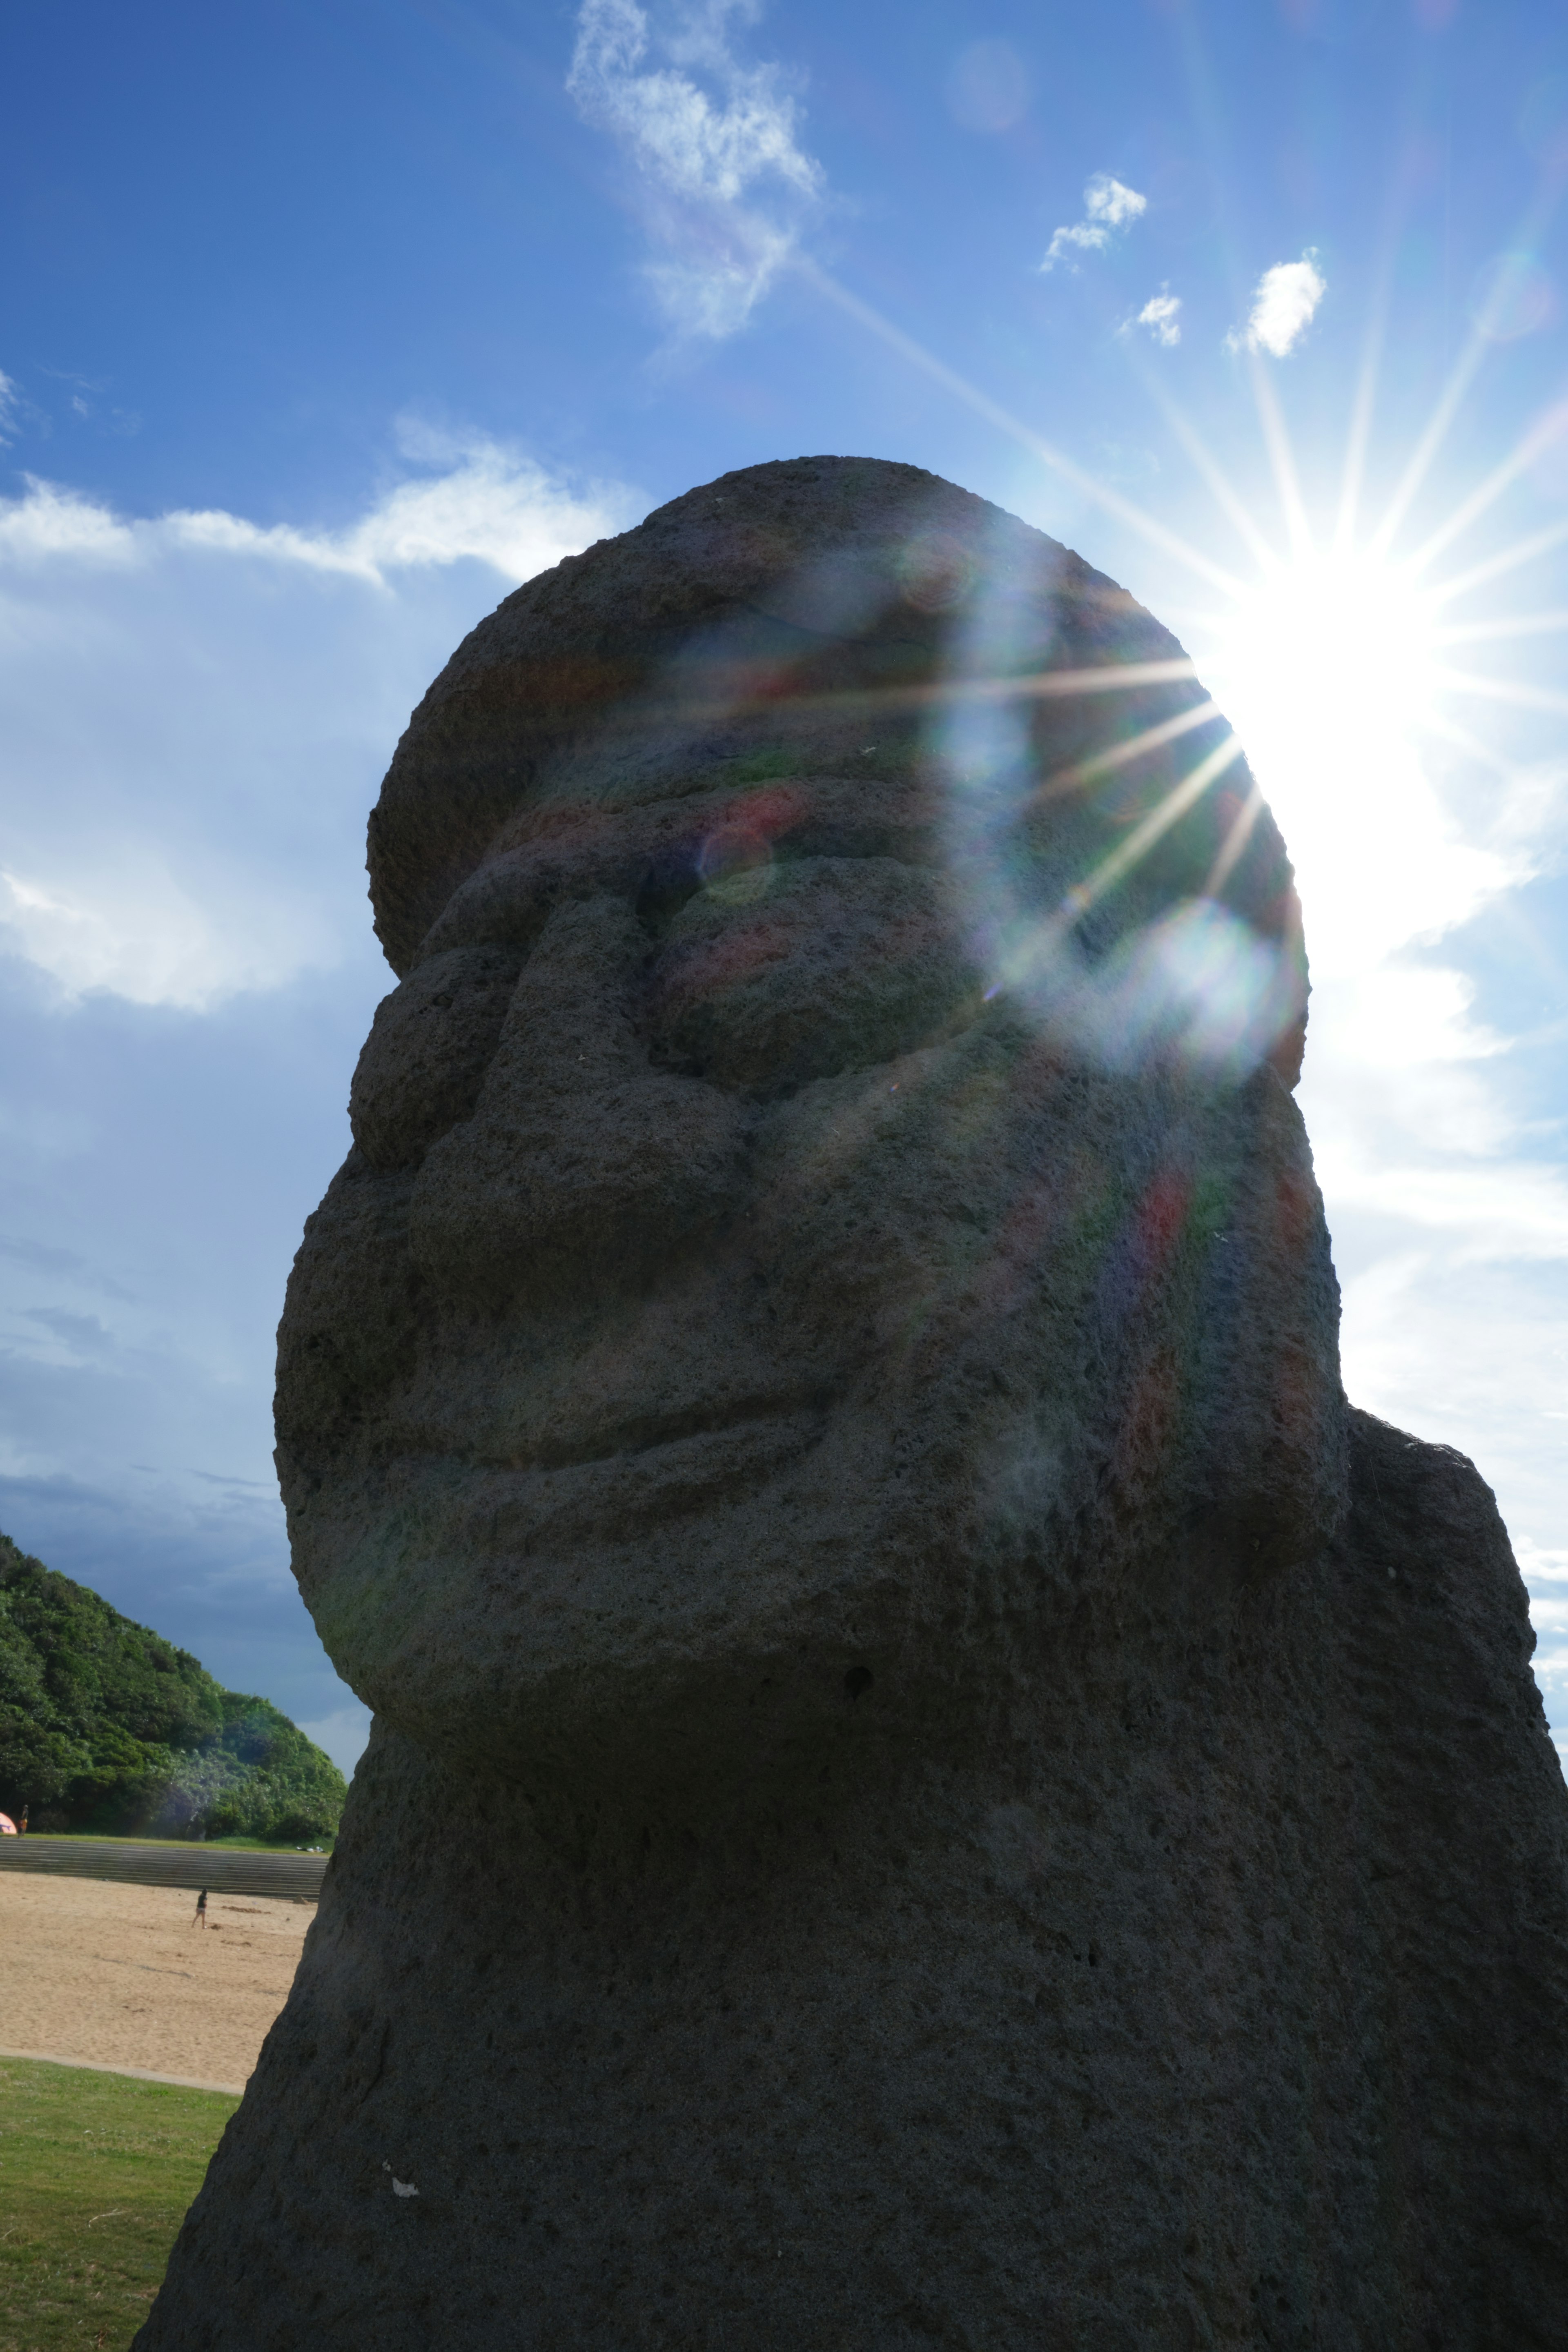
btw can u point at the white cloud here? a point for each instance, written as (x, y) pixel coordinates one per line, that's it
(1532, 813)
(129, 928)
(1283, 307)
(1161, 314)
(10, 407)
(197, 708)
(489, 504)
(1106, 200)
(725, 186)
(51, 522)
(1448, 1206)
(1108, 205)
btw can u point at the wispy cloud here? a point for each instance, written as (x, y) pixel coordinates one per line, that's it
(1283, 308)
(1161, 314)
(84, 397)
(724, 185)
(1108, 205)
(76, 399)
(188, 698)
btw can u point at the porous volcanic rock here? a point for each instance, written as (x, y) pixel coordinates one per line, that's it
(932, 1784)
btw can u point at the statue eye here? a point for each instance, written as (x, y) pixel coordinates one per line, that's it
(823, 964)
(429, 1049)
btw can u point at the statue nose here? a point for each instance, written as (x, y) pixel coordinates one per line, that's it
(581, 1165)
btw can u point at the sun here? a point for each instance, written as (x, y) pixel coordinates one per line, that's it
(1339, 653)
(1333, 655)
(1334, 659)
(1328, 667)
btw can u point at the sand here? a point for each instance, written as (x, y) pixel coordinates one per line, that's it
(117, 1976)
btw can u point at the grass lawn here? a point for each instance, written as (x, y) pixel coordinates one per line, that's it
(96, 2171)
(324, 1843)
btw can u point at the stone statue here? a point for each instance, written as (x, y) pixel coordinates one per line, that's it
(932, 1784)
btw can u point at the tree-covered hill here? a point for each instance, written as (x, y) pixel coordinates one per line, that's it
(105, 1726)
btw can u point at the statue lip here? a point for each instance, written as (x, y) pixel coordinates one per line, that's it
(638, 1436)
(612, 1488)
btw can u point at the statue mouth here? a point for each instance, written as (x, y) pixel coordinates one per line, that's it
(646, 1436)
(620, 1482)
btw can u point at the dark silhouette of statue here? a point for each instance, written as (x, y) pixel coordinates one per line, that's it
(933, 1784)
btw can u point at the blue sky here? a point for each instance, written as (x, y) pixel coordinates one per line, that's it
(322, 326)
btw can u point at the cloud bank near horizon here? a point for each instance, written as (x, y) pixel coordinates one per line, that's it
(482, 500)
(198, 708)
(197, 711)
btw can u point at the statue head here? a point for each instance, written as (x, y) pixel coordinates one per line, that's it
(826, 1201)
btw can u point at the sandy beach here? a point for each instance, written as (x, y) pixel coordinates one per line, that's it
(117, 1975)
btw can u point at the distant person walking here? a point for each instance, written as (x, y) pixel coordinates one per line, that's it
(201, 1918)
(22, 1824)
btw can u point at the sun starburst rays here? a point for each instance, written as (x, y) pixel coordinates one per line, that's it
(1342, 654)
(1346, 663)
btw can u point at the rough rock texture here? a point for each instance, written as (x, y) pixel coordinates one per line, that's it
(933, 1784)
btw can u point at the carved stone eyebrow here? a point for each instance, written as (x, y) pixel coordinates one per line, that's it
(546, 855)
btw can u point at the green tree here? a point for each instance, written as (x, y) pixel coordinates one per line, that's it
(104, 1724)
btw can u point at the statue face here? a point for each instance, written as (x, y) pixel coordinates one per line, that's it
(737, 1296)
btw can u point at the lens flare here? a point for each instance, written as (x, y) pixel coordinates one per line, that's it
(1199, 987)
(736, 863)
(1058, 927)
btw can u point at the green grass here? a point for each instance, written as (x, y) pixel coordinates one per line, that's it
(96, 2171)
(326, 1842)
